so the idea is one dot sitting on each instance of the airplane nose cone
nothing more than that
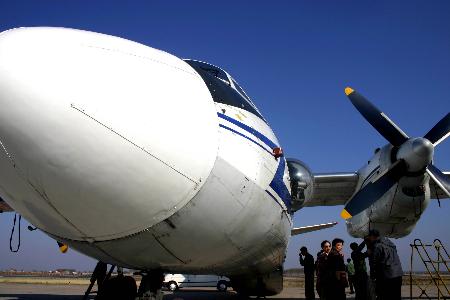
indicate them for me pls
(100, 137)
(423, 147)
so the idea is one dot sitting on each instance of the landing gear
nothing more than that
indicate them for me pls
(124, 287)
(117, 287)
(98, 276)
(151, 285)
(260, 288)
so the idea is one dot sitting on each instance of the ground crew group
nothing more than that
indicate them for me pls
(334, 276)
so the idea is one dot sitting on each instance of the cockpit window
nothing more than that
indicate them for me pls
(220, 88)
(210, 69)
(239, 89)
(217, 73)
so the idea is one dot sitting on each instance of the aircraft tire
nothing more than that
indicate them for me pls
(222, 286)
(172, 285)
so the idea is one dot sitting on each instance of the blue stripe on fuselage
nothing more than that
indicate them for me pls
(247, 128)
(278, 185)
(244, 136)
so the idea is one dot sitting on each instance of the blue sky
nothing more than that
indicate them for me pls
(294, 59)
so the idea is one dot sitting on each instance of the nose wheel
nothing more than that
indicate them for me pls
(151, 285)
(117, 287)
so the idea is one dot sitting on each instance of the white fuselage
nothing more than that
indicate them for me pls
(119, 150)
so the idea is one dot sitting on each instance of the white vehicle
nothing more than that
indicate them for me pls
(176, 281)
(150, 162)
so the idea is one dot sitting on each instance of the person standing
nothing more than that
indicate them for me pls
(307, 261)
(336, 267)
(350, 269)
(323, 277)
(360, 279)
(387, 268)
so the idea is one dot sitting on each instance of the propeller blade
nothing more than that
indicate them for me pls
(440, 131)
(439, 178)
(373, 191)
(388, 129)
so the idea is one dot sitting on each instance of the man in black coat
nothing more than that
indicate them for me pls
(323, 276)
(360, 277)
(387, 269)
(336, 267)
(307, 261)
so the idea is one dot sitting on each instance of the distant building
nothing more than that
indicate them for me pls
(66, 271)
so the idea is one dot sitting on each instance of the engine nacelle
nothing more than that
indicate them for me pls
(302, 183)
(396, 212)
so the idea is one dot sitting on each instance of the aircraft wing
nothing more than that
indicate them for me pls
(332, 189)
(305, 229)
(4, 207)
(435, 191)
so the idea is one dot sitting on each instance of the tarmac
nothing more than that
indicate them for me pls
(20, 291)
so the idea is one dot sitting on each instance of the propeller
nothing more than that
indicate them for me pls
(381, 122)
(440, 131)
(413, 155)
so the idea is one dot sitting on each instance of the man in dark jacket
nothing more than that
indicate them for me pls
(360, 277)
(323, 276)
(336, 268)
(307, 261)
(387, 269)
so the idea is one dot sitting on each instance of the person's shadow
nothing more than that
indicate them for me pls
(178, 295)
(11, 296)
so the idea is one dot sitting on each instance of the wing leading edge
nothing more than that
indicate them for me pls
(332, 189)
(337, 188)
(306, 229)
(435, 191)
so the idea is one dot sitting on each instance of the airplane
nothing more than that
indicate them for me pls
(143, 160)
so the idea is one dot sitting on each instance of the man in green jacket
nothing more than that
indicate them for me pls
(350, 268)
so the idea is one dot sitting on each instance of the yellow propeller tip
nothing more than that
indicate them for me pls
(345, 214)
(349, 90)
(63, 248)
